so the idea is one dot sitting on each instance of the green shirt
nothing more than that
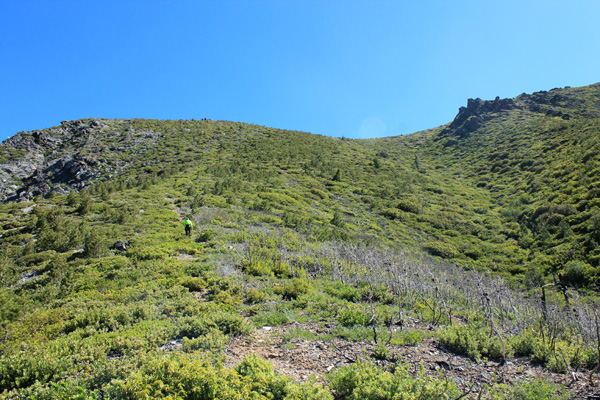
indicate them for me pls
(187, 222)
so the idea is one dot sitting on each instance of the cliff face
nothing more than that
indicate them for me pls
(563, 103)
(67, 157)
(471, 117)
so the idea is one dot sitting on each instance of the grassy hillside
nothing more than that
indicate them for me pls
(355, 238)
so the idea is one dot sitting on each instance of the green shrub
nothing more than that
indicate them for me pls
(261, 205)
(194, 284)
(393, 213)
(101, 316)
(113, 263)
(22, 368)
(271, 318)
(303, 334)
(265, 381)
(320, 193)
(354, 316)
(206, 235)
(381, 352)
(408, 206)
(295, 219)
(225, 298)
(147, 253)
(122, 214)
(94, 244)
(474, 341)
(37, 258)
(337, 219)
(58, 234)
(12, 307)
(577, 273)
(356, 333)
(257, 267)
(379, 293)
(366, 381)
(296, 287)
(281, 269)
(229, 323)
(180, 376)
(441, 249)
(185, 248)
(213, 341)
(310, 390)
(558, 355)
(256, 296)
(408, 338)
(194, 326)
(70, 388)
(533, 390)
(187, 376)
(343, 291)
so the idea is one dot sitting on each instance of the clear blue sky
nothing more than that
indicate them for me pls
(357, 69)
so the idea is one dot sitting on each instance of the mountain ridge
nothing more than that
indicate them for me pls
(40, 162)
(78, 153)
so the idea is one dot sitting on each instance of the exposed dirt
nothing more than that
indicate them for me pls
(300, 359)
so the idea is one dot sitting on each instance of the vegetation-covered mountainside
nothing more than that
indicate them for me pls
(354, 237)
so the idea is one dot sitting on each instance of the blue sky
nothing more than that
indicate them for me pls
(357, 69)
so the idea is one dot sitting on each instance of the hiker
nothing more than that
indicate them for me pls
(188, 225)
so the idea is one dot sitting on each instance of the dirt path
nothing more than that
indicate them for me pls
(300, 359)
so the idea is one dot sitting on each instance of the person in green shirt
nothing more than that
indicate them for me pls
(188, 225)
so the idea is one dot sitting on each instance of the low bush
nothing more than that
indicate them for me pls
(179, 376)
(206, 235)
(271, 318)
(533, 390)
(254, 296)
(296, 287)
(264, 380)
(113, 263)
(303, 334)
(474, 341)
(343, 291)
(229, 323)
(408, 206)
(394, 213)
(357, 333)
(213, 341)
(147, 253)
(364, 380)
(194, 284)
(408, 338)
(381, 352)
(352, 316)
(379, 293)
(558, 354)
(441, 249)
(24, 367)
(256, 266)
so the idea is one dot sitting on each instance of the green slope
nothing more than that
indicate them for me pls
(291, 225)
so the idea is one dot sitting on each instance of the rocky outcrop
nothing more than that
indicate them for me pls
(69, 156)
(471, 117)
(553, 103)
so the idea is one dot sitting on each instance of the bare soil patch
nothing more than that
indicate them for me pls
(300, 359)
